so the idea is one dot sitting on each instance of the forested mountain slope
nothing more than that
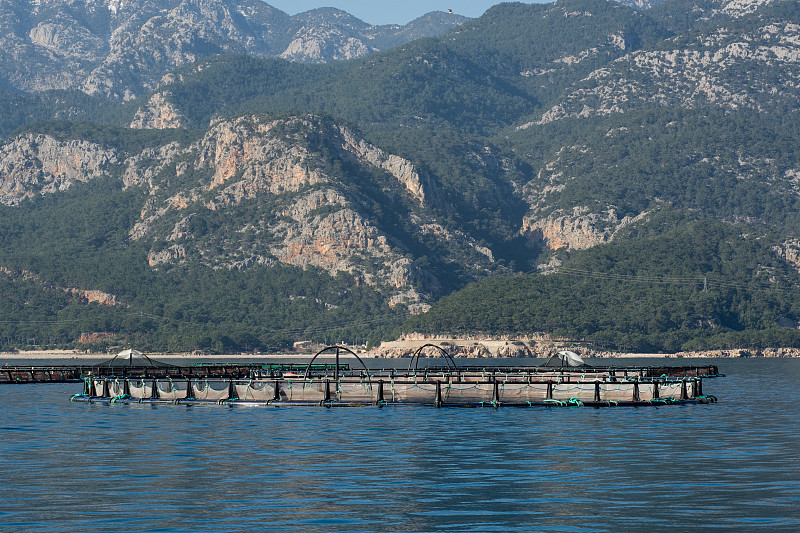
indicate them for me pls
(677, 282)
(627, 175)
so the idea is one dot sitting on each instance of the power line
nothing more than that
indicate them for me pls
(39, 322)
(622, 277)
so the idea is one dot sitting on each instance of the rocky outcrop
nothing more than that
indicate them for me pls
(402, 169)
(731, 8)
(329, 241)
(739, 8)
(68, 40)
(328, 34)
(542, 347)
(175, 254)
(266, 163)
(789, 251)
(716, 69)
(639, 4)
(484, 349)
(142, 168)
(95, 296)
(577, 231)
(581, 227)
(740, 352)
(480, 346)
(88, 295)
(34, 165)
(307, 220)
(159, 113)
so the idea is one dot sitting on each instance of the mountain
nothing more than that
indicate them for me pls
(624, 175)
(705, 120)
(678, 283)
(750, 62)
(295, 205)
(257, 191)
(480, 78)
(122, 48)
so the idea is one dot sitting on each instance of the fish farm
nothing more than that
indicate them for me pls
(564, 381)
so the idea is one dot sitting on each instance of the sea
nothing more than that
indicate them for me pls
(732, 465)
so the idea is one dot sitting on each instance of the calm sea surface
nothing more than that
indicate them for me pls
(105, 468)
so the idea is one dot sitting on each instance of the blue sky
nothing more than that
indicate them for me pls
(392, 12)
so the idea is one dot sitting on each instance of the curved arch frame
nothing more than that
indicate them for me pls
(336, 370)
(447, 357)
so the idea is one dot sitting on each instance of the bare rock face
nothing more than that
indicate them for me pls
(329, 241)
(266, 162)
(639, 4)
(95, 296)
(174, 254)
(732, 8)
(159, 114)
(143, 168)
(738, 8)
(402, 169)
(34, 165)
(790, 252)
(324, 34)
(578, 231)
(67, 40)
(321, 44)
(514, 350)
(581, 227)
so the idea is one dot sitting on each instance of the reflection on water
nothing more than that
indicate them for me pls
(81, 467)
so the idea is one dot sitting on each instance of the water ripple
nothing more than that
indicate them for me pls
(731, 465)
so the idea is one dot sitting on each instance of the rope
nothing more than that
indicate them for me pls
(121, 397)
(548, 401)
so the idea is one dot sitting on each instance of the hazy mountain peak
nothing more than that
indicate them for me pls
(121, 48)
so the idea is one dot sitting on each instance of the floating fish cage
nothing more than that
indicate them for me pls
(39, 374)
(339, 386)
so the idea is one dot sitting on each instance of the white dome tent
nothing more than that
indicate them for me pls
(566, 359)
(132, 358)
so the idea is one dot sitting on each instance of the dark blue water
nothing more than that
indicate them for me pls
(731, 465)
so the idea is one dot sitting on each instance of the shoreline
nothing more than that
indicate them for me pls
(76, 357)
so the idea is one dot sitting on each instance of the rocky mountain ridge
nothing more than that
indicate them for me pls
(725, 7)
(693, 70)
(121, 48)
(746, 61)
(754, 66)
(252, 192)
